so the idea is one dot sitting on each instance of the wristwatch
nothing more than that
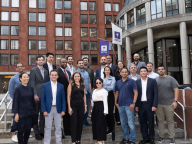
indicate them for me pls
(134, 102)
(85, 105)
(176, 101)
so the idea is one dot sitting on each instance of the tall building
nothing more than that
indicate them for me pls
(63, 27)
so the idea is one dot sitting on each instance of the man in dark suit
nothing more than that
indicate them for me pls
(39, 76)
(146, 105)
(49, 64)
(110, 64)
(64, 77)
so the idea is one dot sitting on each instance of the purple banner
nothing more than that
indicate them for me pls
(104, 47)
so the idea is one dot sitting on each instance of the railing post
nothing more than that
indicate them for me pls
(5, 124)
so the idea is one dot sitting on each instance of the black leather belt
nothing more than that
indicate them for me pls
(144, 102)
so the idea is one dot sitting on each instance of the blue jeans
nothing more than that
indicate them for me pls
(88, 105)
(127, 116)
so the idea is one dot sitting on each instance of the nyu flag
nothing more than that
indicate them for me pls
(117, 34)
(104, 47)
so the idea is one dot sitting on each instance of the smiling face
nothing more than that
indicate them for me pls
(70, 60)
(149, 67)
(124, 73)
(107, 71)
(143, 72)
(20, 68)
(53, 76)
(85, 62)
(120, 65)
(161, 71)
(103, 61)
(50, 59)
(63, 63)
(77, 77)
(40, 61)
(136, 57)
(109, 59)
(99, 83)
(24, 79)
(133, 69)
(80, 65)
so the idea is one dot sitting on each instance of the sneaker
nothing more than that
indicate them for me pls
(160, 140)
(130, 142)
(14, 138)
(172, 141)
(124, 141)
(30, 136)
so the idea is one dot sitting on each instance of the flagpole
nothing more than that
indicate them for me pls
(116, 25)
(103, 39)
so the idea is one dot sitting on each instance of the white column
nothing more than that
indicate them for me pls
(185, 54)
(181, 6)
(135, 16)
(150, 47)
(119, 52)
(125, 20)
(148, 11)
(164, 8)
(128, 50)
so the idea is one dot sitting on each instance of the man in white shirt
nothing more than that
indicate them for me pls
(150, 72)
(70, 67)
(110, 64)
(133, 72)
(49, 64)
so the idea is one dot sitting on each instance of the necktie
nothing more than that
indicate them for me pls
(66, 75)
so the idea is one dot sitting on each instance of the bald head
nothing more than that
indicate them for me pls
(103, 61)
(136, 57)
(63, 63)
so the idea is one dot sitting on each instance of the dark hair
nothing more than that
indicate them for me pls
(54, 70)
(86, 58)
(111, 72)
(161, 66)
(19, 63)
(81, 81)
(143, 68)
(124, 68)
(98, 78)
(49, 54)
(150, 63)
(69, 56)
(79, 60)
(109, 55)
(20, 76)
(117, 68)
(62, 59)
(39, 56)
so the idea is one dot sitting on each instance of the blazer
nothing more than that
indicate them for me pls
(152, 93)
(138, 76)
(68, 69)
(47, 97)
(113, 67)
(36, 80)
(45, 66)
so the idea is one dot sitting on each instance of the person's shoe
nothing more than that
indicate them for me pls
(63, 137)
(152, 142)
(38, 137)
(87, 124)
(78, 142)
(113, 136)
(130, 142)
(118, 123)
(160, 140)
(30, 136)
(142, 142)
(172, 141)
(109, 132)
(14, 138)
(89, 115)
(124, 141)
(41, 134)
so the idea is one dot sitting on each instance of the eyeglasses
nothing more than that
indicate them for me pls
(19, 66)
(98, 83)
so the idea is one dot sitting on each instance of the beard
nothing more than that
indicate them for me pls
(136, 59)
(161, 74)
(103, 63)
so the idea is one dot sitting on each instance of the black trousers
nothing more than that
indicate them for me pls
(66, 123)
(23, 137)
(39, 128)
(77, 105)
(110, 117)
(117, 118)
(98, 121)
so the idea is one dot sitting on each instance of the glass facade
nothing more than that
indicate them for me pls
(58, 45)
(3, 59)
(92, 19)
(4, 44)
(84, 45)
(156, 9)
(141, 14)
(188, 6)
(83, 19)
(14, 59)
(158, 53)
(172, 7)
(130, 19)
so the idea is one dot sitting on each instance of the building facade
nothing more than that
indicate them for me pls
(161, 32)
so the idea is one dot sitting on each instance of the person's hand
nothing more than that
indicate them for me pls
(174, 105)
(105, 114)
(154, 108)
(62, 113)
(137, 109)
(117, 106)
(132, 106)
(16, 118)
(70, 111)
(36, 98)
(46, 114)
(85, 109)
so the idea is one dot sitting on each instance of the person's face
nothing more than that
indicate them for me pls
(133, 69)
(136, 57)
(161, 71)
(109, 59)
(99, 83)
(120, 65)
(63, 63)
(40, 61)
(77, 77)
(107, 71)
(85, 62)
(20, 68)
(53, 76)
(149, 67)
(70, 60)
(80, 65)
(24, 79)
(124, 73)
(50, 58)
(143, 73)
(103, 61)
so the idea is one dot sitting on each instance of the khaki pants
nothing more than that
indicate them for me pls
(165, 112)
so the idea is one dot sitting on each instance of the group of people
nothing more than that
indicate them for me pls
(66, 93)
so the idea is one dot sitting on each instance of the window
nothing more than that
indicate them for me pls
(67, 5)
(68, 55)
(158, 54)
(4, 16)
(14, 3)
(108, 19)
(92, 19)
(107, 6)
(42, 17)
(4, 59)
(84, 45)
(32, 59)
(93, 45)
(92, 6)
(68, 45)
(42, 31)
(58, 18)
(67, 18)
(93, 32)
(42, 45)
(32, 30)
(83, 5)
(188, 5)
(108, 32)
(32, 17)
(58, 58)
(68, 32)
(58, 31)
(114, 19)
(32, 44)
(122, 22)
(14, 16)
(5, 3)
(4, 44)
(58, 45)
(14, 30)
(140, 14)
(84, 32)
(42, 4)
(58, 4)
(82, 56)
(14, 59)
(84, 19)
(32, 4)
(116, 7)
(130, 19)
(156, 9)
(4, 30)
(93, 60)
(14, 44)
(172, 7)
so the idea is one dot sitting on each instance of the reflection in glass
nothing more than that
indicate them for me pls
(158, 54)
(68, 45)
(58, 57)
(156, 9)
(108, 19)
(32, 44)
(3, 59)
(84, 32)
(14, 59)
(93, 32)
(130, 19)
(59, 45)
(141, 14)
(84, 45)
(93, 60)
(14, 30)
(188, 5)
(172, 7)
(93, 45)
(92, 19)
(84, 19)
(4, 44)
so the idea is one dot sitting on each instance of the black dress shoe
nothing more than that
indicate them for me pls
(118, 123)
(152, 142)
(41, 134)
(113, 136)
(78, 142)
(38, 137)
(88, 124)
(109, 132)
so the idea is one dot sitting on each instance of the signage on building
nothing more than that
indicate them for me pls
(117, 34)
(104, 47)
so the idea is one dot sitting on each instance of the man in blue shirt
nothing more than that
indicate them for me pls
(87, 83)
(126, 91)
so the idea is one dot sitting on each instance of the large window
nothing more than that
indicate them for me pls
(93, 32)
(58, 31)
(67, 18)
(83, 56)
(58, 4)
(68, 32)
(58, 57)
(4, 44)
(42, 17)
(42, 45)
(188, 5)
(4, 16)
(108, 32)
(93, 45)
(122, 22)
(58, 18)
(67, 5)
(158, 54)
(130, 19)
(42, 31)
(14, 30)
(32, 4)
(32, 59)
(92, 6)
(141, 14)
(3, 59)
(172, 7)
(84, 45)
(14, 3)
(156, 9)
(107, 6)
(116, 7)
(32, 17)
(14, 44)
(92, 19)
(14, 16)
(68, 45)
(4, 30)
(93, 60)
(83, 5)
(58, 45)
(32, 30)
(108, 19)
(114, 18)
(84, 19)
(42, 4)
(32, 44)
(5, 3)
(14, 59)
(84, 32)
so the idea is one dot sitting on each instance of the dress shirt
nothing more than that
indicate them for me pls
(101, 95)
(54, 92)
(110, 65)
(50, 67)
(71, 69)
(134, 77)
(102, 74)
(64, 73)
(144, 89)
(110, 81)
(153, 75)
(42, 71)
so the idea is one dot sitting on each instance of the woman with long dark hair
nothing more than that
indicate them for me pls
(76, 98)
(109, 85)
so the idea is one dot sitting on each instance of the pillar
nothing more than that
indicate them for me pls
(125, 20)
(148, 11)
(181, 6)
(135, 16)
(164, 8)
(185, 54)
(128, 50)
(119, 52)
(150, 47)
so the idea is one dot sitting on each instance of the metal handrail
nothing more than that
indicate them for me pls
(4, 98)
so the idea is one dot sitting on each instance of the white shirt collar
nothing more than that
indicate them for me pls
(52, 83)
(144, 80)
(49, 64)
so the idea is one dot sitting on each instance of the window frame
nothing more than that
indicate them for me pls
(35, 3)
(11, 30)
(11, 59)
(156, 10)
(90, 32)
(35, 16)
(140, 19)
(4, 6)
(7, 59)
(29, 57)
(11, 16)
(171, 8)
(61, 4)
(81, 17)
(45, 30)
(14, 6)
(91, 59)
(64, 4)
(104, 6)
(71, 31)
(71, 45)
(106, 32)
(87, 31)
(95, 5)
(45, 16)
(45, 46)
(113, 7)
(35, 30)
(186, 8)
(62, 31)
(8, 15)
(65, 17)
(61, 17)
(96, 46)
(87, 45)
(45, 5)
(35, 45)
(11, 45)
(7, 42)
(90, 18)
(80, 5)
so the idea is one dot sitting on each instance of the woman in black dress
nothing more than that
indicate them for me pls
(24, 109)
(76, 99)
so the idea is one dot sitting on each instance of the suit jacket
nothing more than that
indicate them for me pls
(36, 80)
(47, 97)
(45, 66)
(113, 67)
(68, 69)
(152, 92)
(138, 76)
